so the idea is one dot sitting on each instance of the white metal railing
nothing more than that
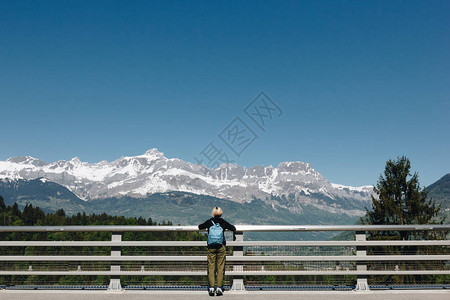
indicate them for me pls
(355, 263)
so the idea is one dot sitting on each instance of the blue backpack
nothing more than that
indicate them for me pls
(215, 235)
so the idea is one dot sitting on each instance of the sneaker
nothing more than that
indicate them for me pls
(211, 292)
(219, 292)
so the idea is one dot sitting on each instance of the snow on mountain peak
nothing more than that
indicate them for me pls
(20, 158)
(295, 166)
(28, 160)
(154, 152)
(359, 189)
(75, 161)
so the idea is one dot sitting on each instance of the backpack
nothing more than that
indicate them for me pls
(215, 235)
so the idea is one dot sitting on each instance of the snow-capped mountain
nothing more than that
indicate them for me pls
(290, 185)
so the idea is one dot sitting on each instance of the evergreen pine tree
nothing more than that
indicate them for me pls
(2, 204)
(60, 212)
(400, 199)
(15, 210)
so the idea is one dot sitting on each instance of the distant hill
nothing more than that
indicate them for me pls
(47, 195)
(440, 192)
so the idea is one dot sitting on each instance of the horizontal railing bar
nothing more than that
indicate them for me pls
(340, 243)
(230, 258)
(203, 243)
(229, 273)
(114, 228)
(103, 243)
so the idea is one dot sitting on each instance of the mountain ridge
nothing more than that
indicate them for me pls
(176, 207)
(440, 192)
(290, 185)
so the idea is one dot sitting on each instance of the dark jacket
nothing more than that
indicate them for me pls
(224, 224)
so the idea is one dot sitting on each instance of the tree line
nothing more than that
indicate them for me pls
(34, 216)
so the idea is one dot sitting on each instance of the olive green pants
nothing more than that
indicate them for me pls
(216, 265)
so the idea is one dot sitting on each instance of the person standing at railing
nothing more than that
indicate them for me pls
(216, 250)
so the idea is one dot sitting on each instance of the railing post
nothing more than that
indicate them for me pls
(114, 282)
(361, 280)
(238, 281)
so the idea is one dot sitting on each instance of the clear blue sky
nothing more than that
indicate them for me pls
(359, 82)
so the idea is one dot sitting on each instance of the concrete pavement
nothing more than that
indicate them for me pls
(253, 295)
